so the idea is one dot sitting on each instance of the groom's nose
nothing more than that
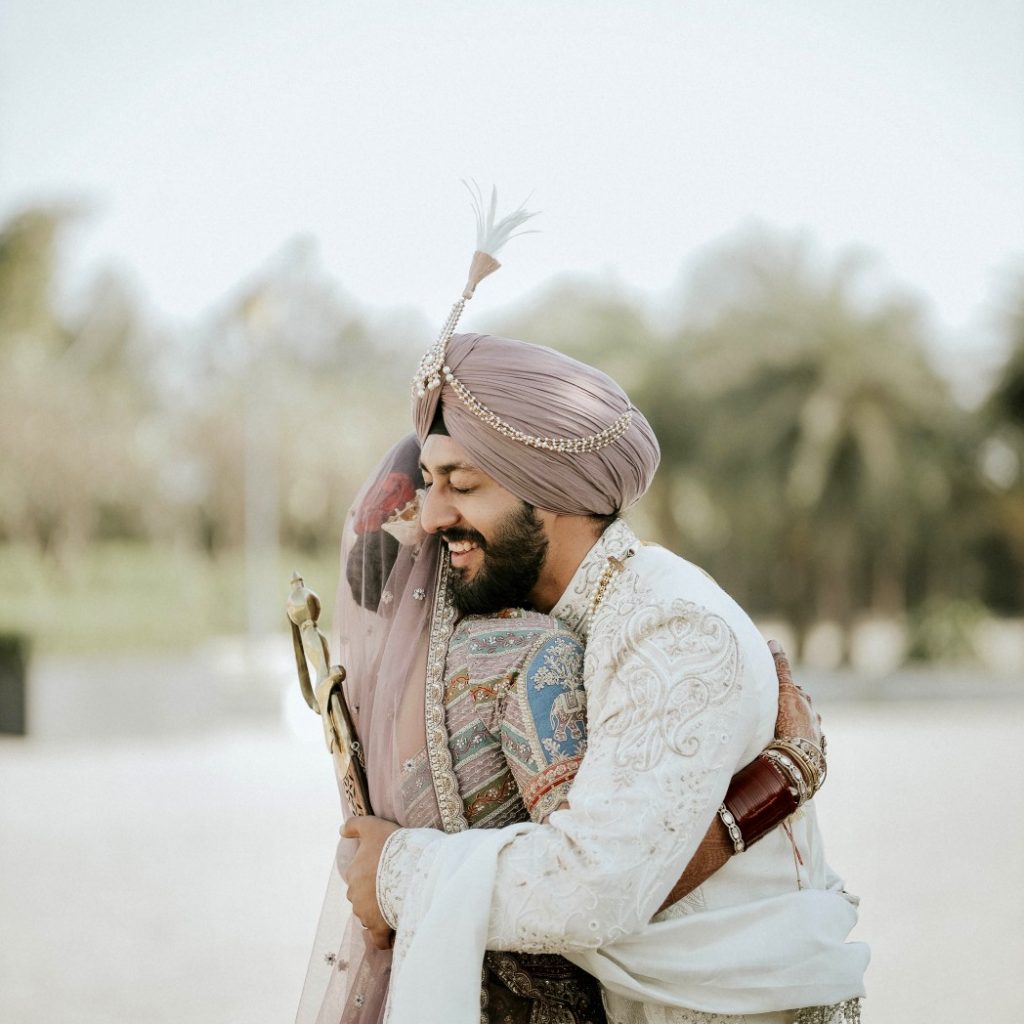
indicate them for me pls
(437, 513)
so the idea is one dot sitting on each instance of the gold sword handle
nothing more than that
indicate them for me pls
(326, 696)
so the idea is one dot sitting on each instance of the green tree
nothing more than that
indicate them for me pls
(330, 396)
(29, 252)
(1002, 463)
(813, 454)
(75, 395)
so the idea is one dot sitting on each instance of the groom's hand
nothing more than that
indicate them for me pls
(361, 876)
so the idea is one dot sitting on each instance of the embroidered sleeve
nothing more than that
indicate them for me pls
(543, 725)
(667, 728)
(397, 868)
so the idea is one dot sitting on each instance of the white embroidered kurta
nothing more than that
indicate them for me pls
(681, 693)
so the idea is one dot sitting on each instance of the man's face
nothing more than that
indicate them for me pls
(496, 541)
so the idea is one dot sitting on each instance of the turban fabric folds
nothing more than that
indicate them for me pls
(543, 393)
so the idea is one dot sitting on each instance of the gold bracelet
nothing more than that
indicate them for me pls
(815, 755)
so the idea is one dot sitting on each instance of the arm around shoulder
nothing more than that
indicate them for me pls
(666, 727)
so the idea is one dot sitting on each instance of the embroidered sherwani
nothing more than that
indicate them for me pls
(681, 693)
(515, 724)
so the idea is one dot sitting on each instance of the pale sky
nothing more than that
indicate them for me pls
(207, 133)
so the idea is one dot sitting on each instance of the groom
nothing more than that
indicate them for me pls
(529, 458)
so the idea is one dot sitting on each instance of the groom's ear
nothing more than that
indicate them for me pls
(549, 519)
(562, 528)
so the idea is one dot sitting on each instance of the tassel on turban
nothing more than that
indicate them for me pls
(545, 394)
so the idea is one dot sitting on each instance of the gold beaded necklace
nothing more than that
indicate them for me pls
(612, 566)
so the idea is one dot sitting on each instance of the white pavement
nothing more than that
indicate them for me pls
(151, 881)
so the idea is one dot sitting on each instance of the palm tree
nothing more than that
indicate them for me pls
(820, 433)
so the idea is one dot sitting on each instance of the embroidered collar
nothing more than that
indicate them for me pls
(574, 606)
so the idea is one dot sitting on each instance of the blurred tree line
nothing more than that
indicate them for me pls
(812, 459)
(116, 428)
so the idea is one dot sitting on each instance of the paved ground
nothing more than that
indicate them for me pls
(178, 878)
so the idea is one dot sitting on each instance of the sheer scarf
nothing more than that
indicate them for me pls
(389, 582)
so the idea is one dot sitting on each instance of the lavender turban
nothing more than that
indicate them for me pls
(546, 394)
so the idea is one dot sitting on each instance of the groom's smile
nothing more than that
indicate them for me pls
(496, 542)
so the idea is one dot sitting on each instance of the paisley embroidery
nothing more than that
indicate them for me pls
(661, 677)
(667, 713)
(681, 662)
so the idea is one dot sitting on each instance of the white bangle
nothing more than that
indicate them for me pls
(734, 830)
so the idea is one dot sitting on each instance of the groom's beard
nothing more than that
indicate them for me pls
(510, 567)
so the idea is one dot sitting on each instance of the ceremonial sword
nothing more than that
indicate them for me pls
(327, 697)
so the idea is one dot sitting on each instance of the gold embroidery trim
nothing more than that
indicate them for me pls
(442, 771)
